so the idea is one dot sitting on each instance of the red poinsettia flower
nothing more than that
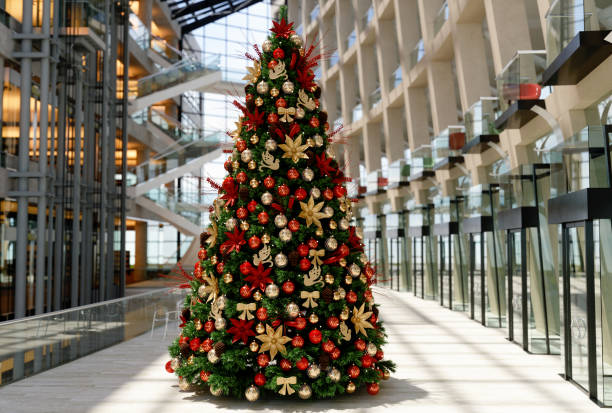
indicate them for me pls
(258, 277)
(235, 240)
(241, 330)
(231, 193)
(324, 165)
(282, 29)
(253, 120)
(354, 240)
(306, 77)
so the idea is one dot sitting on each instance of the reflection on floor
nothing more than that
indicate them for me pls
(446, 362)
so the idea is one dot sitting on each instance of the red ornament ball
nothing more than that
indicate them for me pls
(261, 313)
(220, 267)
(283, 190)
(288, 287)
(272, 118)
(360, 344)
(366, 361)
(328, 194)
(297, 341)
(278, 53)
(302, 364)
(301, 194)
(241, 145)
(228, 165)
(241, 177)
(314, 122)
(379, 355)
(209, 326)
(367, 295)
(335, 354)
(272, 64)
(280, 103)
(259, 379)
(373, 319)
(299, 323)
(194, 344)
(169, 368)
(263, 218)
(304, 264)
(185, 340)
(269, 182)
(353, 371)
(252, 206)
(294, 225)
(263, 360)
(339, 191)
(254, 242)
(303, 250)
(202, 254)
(293, 173)
(333, 322)
(204, 376)
(245, 291)
(207, 345)
(249, 97)
(351, 297)
(328, 346)
(343, 250)
(315, 336)
(245, 267)
(373, 388)
(313, 243)
(242, 213)
(285, 364)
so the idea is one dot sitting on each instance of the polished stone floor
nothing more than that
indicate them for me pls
(446, 363)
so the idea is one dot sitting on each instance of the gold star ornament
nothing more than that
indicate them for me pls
(294, 149)
(311, 212)
(273, 341)
(210, 288)
(212, 234)
(360, 320)
(253, 73)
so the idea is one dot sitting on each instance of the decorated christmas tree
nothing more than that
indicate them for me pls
(280, 301)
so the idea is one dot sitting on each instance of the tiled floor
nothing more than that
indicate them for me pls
(447, 363)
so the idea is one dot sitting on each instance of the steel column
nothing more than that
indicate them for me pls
(76, 191)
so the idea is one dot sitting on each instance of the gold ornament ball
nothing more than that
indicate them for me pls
(355, 270)
(342, 292)
(300, 113)
(251, 393)
(191, 360)
(331, 244)
(309, 141)
(228, 278)
(386, 375)
(220, 324)
(334, 375)
(333, 224)
(318, 140)
(363, 278)
(342, 207)
(257, 296)
(265, 238)
(235, 164)
(336, 296)
(212, 356)
(175, 363)
(202, 291)
(342, 262)
(344, 315)
(350, 387)
(254, 347)
(280, 260)
(260, 329)
(344, 224)
(313, 318)
(329, 278)
(293, 310)
(285, 235)
(259, 101)
(313, 371)
(329, 211)
(254, 139)
(348, 280)
(296, 40)
(184, 385)
(280, 221)
(254, 183)
(262, 87)
(288, 87)
(315, 193)
(213, 260)
(244, 225)
(319, 232)
(371, 349)
(198, 324)
(221, 302)
(230, 224)
(246, 155)
(305, 392)
(252, 164)
(266, 198)
(271, 145)
(308, 174)
(266, 46)
(272, 291)
(216, 391)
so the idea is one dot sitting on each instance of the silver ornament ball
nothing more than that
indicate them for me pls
(331, 244)
(313, 371)
(246, 155)
(334, 375)
(280, 221)
(230, 224)
(315, 193)
(371, 349)
(288, 87)
(263, 87)
(184, 384)
(344, 224)
(280, 260)
(175, 363)
(251, 393)
(296, 40)
(272, 291)
(221, 300)
(271, 145)
(300, 113)
(355, 270)
(293, 310)
(266, 198)
(216, 391)
(220, 324)
(305, 392)
(329, 211)
(213, 357)
(285, 235)
(266, 46)
(308, 174)
(318, 140)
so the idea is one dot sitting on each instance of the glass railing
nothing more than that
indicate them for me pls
(375, 98)
(448, 143)
(162, 47)
(566, 18)
(9, 21)
(333, 59)
(367, 18)
(399, 171)
(376, 181)
(314, 13)
(357, 112)
(417, 53)
(180, 72)
(421, 160)
(351, 39)
(46, 341)
(520, 78)
(139, 32)
(396, 78)
(86, 14)
(480, 118)
(441, 18)
(189, 203)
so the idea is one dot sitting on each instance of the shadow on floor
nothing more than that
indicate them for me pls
(392, 391)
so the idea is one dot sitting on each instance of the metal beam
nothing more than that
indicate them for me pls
(194, 7)
(203, 22)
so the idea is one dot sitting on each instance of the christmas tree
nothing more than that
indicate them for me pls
(280, 301)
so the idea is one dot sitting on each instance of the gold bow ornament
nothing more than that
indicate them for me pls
(317, 255)
(286, 113)
(246, 310)
(285, 382)
(310, 297)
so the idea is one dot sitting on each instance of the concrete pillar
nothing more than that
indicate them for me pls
(427, 13)
(371, 141)
(407, 29)
(441, 95)
(386, 52)
(393, 128)
(471, 63)
(415, 102)
(368, 74)
(140, 266)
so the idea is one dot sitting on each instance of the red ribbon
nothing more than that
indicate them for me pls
(337, 256)
(278, 207)
(291, 201)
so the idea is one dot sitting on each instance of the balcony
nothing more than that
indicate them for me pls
(396, 78)
(519, 89)
(447, 147)
(417, 53)
(575, 34)
(441, 18)
(399, 172)
(139, 32)
(479, 123)
(421, 164)
(376, 182)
